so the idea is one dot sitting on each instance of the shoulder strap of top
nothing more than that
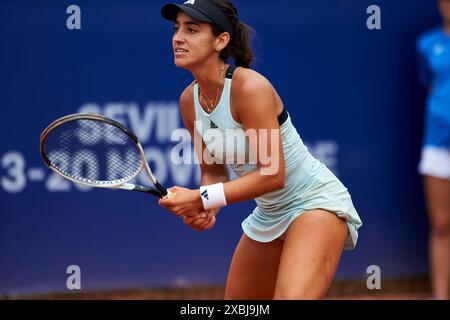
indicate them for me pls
(282, 117)
(230, 71)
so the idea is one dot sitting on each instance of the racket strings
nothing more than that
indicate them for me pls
(93, 151)
(126, 166)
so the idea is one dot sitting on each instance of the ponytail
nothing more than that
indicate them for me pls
(239, 47)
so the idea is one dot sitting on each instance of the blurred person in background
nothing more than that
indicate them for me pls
(434, 62)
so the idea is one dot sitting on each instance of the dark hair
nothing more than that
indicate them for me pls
(239, 47)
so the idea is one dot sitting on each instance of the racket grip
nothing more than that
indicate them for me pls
(164, 191)
(167, 195)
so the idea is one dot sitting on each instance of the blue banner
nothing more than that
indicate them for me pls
(352, 93)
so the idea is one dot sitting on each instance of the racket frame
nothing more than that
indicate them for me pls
(118, 184)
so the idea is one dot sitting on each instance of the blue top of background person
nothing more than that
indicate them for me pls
(434, 69)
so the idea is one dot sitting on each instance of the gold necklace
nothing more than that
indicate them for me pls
(211, 103)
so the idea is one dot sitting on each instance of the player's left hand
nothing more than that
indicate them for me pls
(182, 201)
(202, 221)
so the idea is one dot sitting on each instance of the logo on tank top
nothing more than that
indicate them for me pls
(213, 125)
(190, 2)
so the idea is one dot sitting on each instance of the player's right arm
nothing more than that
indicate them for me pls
(210, 173)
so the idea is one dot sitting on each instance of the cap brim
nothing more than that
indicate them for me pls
(170, 12)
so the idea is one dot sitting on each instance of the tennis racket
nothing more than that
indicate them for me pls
(96, 151)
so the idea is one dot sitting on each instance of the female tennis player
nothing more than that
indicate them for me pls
(304, 218)
(434, 57)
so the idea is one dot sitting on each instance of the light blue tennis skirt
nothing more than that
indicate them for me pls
(309, 185)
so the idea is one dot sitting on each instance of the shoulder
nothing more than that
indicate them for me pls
(247, 81)
(428, 39)
(186, 97)
(254, 95)
(186, 102)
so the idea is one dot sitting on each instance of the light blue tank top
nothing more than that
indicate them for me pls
(218, 126)
(308, 184)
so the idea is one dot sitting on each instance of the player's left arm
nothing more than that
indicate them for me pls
(256, 106)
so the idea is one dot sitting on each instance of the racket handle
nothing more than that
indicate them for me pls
(164, 191)
(167, 195)
(160, 193)
(143, 189)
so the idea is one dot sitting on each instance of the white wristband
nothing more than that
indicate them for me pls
(213, 196)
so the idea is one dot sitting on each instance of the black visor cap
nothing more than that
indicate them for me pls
(201, 10)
